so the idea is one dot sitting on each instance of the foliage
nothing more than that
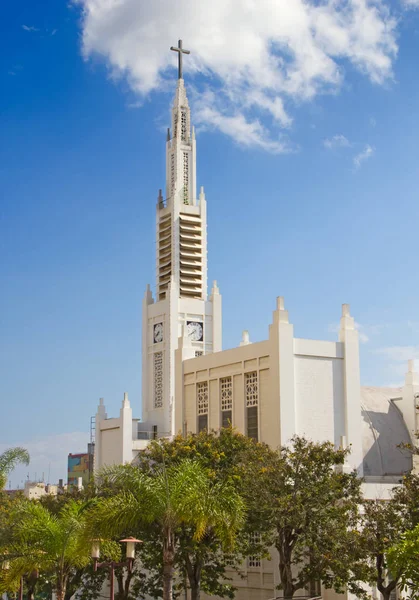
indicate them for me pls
(229, 457)
(313, 509)
(181, 494)
(403, 560)
(383, 526)
(9, 459)
(40, 540)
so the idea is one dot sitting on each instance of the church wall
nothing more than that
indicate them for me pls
(229, 363)
(111, 446)
(238, 403)
(269, 429)
(319, 392)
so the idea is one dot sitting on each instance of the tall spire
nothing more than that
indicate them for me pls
(181, 248)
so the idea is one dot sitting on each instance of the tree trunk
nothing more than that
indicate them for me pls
(285, 570)
(168, 564)
(195, 591)
(385, 590)
(194, 576)
(124, 583)
(60, 591)
(61, 587)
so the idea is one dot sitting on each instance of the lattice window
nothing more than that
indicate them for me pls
(226, 392)
(185, 178)
(158, 379)
(175, 124)
(251, 388)
(199, 353)
(202, 397)
(172, 173)
(254, 561)
(183, 125)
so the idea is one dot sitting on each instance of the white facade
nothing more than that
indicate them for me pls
(270, 390)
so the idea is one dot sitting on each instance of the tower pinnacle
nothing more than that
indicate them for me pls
(180, 52)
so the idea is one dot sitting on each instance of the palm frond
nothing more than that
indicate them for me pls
(9, 459)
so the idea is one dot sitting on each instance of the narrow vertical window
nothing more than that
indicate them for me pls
(255, 560)
(202, 401)
(185, 178)
(172, 173)
(226, 395)
(183, 125)
(158, 379)
(252, 401)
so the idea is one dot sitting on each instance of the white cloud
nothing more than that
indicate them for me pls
(261, 56)
(398, 357)
(411, 3)
(400, 353)
(48, 455)
(29, 28)
(364, 155)
(337, 141)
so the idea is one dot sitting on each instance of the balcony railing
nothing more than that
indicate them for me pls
(152, 435)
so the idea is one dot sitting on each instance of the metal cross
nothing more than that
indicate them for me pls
(180, 51)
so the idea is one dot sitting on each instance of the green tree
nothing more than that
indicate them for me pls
(169, 497)
(313, 509)
(84, 580)
(229, 457)
(384, 524)
(9, 459)
(403, 560)
(41, 541)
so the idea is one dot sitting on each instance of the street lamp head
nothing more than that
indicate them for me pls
(130, 542)
(96, 549)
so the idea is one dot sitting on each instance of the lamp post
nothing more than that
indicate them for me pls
(111, 564)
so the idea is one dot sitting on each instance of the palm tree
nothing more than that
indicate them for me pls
(9, 459)
(52, 543)
(183, 494)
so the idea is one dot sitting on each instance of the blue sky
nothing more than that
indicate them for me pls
(308, 129)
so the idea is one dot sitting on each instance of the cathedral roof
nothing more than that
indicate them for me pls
(383, 430)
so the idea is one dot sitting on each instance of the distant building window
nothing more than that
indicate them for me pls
(254, 561)
(252, 422)
(183, 125)
(252, 401)
(226, 418)
(314, 589)
(158, 379)
(202, 401)
(226, 393)
(251, 388)
(202, 423)
(185, 178)
(202, 397)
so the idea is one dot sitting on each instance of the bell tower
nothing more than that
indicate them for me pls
(180, 306)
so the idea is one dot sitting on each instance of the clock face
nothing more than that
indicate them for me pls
(158, 333)
(195, 331)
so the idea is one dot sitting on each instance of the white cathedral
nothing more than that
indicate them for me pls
(268, 390)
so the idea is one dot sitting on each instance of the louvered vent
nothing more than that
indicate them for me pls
(190, 256)
(165, 255)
